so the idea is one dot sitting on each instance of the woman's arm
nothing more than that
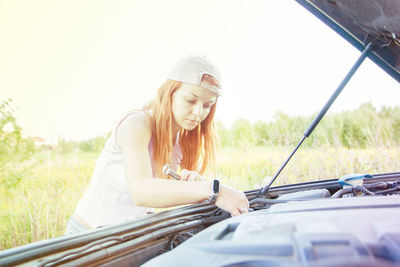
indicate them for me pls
(133, 136)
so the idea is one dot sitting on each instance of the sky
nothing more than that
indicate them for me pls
(74, 68)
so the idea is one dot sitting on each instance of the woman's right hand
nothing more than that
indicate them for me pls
(187, 175)
(232, 200)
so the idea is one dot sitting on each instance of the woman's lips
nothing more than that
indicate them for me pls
(194, 122)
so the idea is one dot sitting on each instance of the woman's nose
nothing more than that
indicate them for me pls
(198, 110)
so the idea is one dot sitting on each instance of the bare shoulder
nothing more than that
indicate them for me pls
(134, 129)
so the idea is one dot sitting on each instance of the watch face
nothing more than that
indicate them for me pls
(216, 186)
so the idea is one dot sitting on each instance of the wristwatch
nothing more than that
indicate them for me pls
(214, 191)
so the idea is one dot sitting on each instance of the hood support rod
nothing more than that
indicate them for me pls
(373, 44)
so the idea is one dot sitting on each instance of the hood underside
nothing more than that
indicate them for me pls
(355, 20)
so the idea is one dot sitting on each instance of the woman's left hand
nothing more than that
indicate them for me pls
(187, 175)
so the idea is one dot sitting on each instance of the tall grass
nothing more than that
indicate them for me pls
(250, 168)
(363, 127)
(39, 206)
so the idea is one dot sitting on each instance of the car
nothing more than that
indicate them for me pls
(343, 221)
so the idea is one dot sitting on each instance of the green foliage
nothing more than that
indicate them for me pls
(286, 130)
(262, 133)
(14, 149)
(225, 136)
(250, 168)
(242, 133)
(359, 128)
(65, 146)
(39, 206)
(95, 144)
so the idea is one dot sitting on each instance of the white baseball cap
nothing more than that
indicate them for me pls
(191, 69)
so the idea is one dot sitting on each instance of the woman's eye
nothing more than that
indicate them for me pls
(207, 106)
(191, 101)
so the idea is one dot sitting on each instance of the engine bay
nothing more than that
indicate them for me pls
(356, 226)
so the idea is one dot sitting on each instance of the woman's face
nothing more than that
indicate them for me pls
(190, 105)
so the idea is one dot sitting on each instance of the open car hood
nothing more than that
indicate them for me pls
(355, 20)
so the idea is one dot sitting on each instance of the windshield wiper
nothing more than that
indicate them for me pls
(373, 44)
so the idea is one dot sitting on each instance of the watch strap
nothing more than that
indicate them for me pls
(214, 191)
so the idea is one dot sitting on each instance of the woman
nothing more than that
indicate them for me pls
(176, 127)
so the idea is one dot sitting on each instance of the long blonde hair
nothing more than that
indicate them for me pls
(198, 145)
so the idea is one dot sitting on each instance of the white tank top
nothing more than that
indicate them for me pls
(107, 200)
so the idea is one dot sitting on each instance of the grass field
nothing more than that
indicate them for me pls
(38, 207)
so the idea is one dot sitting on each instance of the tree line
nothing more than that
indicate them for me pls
(359, 128)
(362, 127)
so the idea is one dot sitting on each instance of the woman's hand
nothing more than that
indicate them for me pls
(233, 201)
(187, 175)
